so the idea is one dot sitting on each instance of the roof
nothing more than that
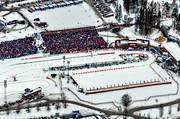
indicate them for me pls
(174, 35)
(173, 49)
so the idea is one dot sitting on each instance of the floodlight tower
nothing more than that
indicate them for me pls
(5, 91)
(68, 78)
(107, 38)
(64, 58)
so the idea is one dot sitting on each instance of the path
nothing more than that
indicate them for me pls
(64, 101)
(25, 18)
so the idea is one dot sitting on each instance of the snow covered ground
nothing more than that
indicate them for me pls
(29, 73)
(74, 16)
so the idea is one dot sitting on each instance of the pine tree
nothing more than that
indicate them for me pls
(161, 111)
(126, 5)
(57, 105)
(126, 100)
(141, 21)
(159, 17)
(170, 110)
(178, 107)
(48, 107)
(120, 12)
(38, 108)
(146, 26)
(116, 11)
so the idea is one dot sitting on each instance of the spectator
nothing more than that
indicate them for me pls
(17, 48)
(75, 40)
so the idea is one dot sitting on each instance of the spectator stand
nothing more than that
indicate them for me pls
(17, 48)
(72, 40)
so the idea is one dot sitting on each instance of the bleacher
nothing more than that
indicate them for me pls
(17, 48)
(67, 41)
(55, 42)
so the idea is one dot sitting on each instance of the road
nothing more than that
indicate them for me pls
(130, 112)
(65, 101)
(25, 18)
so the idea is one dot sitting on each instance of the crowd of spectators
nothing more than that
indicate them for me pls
(127, 58)
(87, 66)
(58, 42)
(72, 40)
(17, 48)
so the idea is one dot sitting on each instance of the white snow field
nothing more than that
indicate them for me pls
(29, 74)
(65, 18)
(74, 16)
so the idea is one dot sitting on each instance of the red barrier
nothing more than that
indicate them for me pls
(103, 70)
(51, 80)
(32, 58)
(106, 53)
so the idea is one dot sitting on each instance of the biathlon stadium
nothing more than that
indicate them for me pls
(76, 54)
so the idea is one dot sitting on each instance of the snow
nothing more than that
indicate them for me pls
(174, 35)
(168, 22)
(130, 31)
(103, 79)
(33, 71)
(173, 49)
(65, 18)
(29, 73)
(17, 34)
(74, 16)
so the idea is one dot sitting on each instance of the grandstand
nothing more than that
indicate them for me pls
(17, 48)
(66, 41)
(55, 42)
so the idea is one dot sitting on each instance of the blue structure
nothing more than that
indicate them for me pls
(80, 1)
(42, 8)
(36, 8)
(62, 5)
(75, 2)
(1, 5)
(77, 115)
(54, 5)
(2, 24)
(71, 2)
(164, 59)
(68, 4)
(46, 7)
(50, 6)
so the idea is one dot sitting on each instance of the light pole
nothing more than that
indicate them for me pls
(5, 91)
(68, 78)
(107, 38)
(63, 66)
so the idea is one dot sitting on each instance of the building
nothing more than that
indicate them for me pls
(137, 44)
(174, 51)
